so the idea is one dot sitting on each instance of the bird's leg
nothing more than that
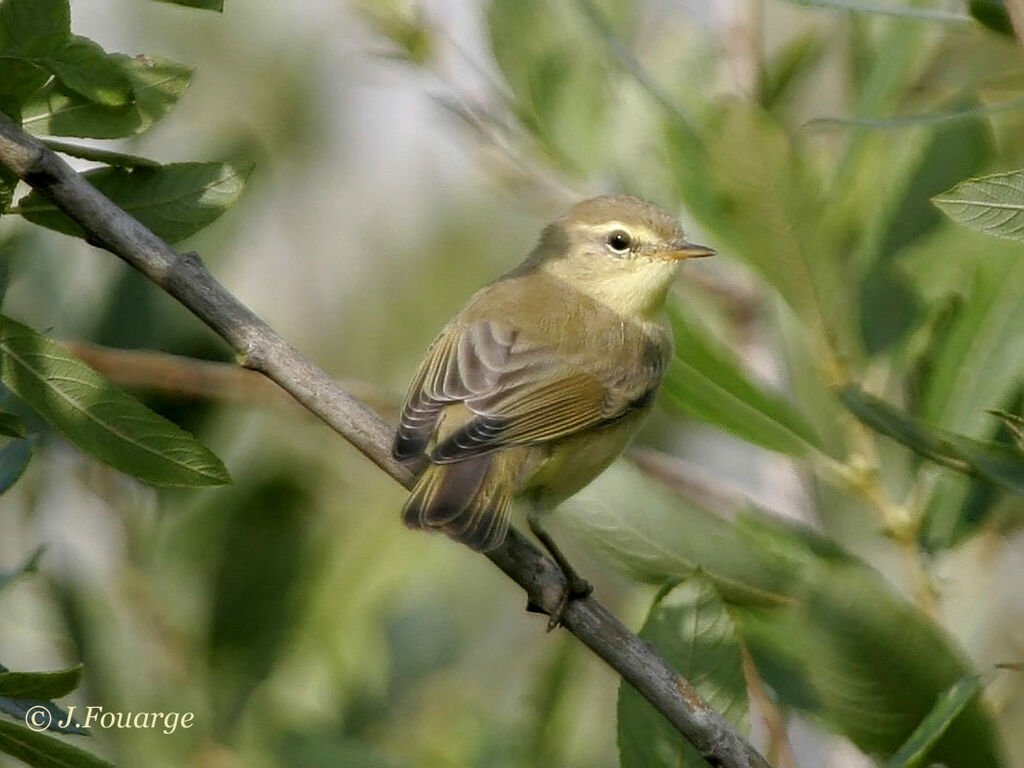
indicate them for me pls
(575, 585)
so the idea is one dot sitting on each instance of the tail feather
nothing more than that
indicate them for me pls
(469, 500)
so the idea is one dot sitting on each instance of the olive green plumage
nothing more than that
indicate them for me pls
(540, 381)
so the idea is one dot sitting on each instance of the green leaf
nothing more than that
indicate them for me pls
(312, 749)
(267, 538)
(691, 627)
(826, 632)
(40, 685)
(705, 382)
(867, 663)
(208, 5)
(14, 457)
(44, 714)
(993, 462)
(766, 211)
(558, 75)
(659, 537)
(30, 29)
(889, 307)
(41, 751)
(949, 705)
(105, 156)
(156, 84)
(990, 204)
(88, 70)
(977, 366)
(789, 67)
(953, 151)
(992, 13)
(1014, 423)
(175, 201)
(98, 418)
(11, 425)
(31, 565)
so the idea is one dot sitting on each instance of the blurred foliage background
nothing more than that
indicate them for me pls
(405, 153)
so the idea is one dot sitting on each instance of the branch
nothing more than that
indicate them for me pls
(185, 278)
(189, 377)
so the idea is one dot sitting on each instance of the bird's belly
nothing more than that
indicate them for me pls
(572, 463)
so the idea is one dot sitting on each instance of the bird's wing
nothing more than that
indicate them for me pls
(517, 391)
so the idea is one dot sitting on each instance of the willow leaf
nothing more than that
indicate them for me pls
(98, 418)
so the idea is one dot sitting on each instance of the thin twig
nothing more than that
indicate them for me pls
(632, 65)
(189, 377)
(898, 12)
(186, 278)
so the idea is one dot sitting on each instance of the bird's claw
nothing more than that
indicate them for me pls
(575, 588)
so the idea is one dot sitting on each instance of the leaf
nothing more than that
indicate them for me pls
(44, 715)
(867, 663)
(993, 462)
(156, 84)
(105, 156)
(14, 457)
(990, 204)
(825, 631)
(30, 565)
(40, 685)
(705, 382)
(889, 306)
(949, 705)
(691, 627)
(85, 68)
(268, 537)
(558, 76)
(765, 211)
(98, 418)
(794, 62)
(29, 29)
(977, 366)
(41, 751)
(175, 201)
(952, 151)
(992, 13)
(11, 425)
(1014, 423)
(659, 537)
(974, 366)
(313, 749)
(208, 5)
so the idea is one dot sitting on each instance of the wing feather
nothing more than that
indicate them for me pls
(518, 393)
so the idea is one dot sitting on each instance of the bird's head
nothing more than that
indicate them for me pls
(622, 251)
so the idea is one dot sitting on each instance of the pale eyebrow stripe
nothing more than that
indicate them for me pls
(639, 231)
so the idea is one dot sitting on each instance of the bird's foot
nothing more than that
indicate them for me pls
(575, 588)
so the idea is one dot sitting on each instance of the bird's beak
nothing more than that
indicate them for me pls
(681, 249)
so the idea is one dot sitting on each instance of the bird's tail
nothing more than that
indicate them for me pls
(469, 500)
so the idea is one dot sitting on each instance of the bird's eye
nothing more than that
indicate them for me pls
(619, 241)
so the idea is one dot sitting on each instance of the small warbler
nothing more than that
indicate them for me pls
(540, 381)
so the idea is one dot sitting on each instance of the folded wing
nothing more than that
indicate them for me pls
(517, 391)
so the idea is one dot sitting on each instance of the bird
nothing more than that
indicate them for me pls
(541, 380)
